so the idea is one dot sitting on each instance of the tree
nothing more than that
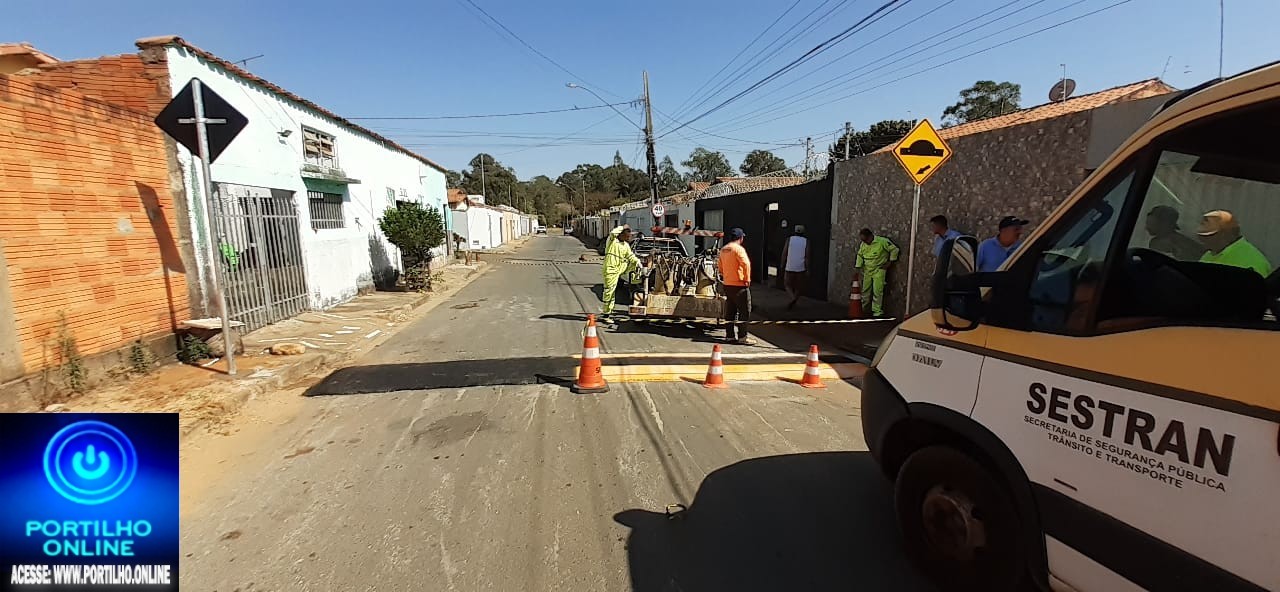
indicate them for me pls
(415, 231)
(452, 179)
(540, 194)
(986, 98)
(669, 179)
(879, 135)
(599, 186)
(706, 165)
(760, 162)
(498, 183)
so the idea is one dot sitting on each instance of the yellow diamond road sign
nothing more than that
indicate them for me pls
(921, 152)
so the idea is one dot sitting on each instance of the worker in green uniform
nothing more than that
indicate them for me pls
(619, 261)
(1220, 233)
(876, 255)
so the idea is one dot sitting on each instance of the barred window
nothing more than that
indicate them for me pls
(326, 210)
(318, 148)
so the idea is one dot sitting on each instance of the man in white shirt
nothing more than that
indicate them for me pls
(795, 258)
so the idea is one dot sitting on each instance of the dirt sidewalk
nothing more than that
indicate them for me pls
(206, 397)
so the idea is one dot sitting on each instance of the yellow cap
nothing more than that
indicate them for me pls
(1216, 221)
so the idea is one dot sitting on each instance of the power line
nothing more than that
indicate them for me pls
(695, 96)
(796, 62)
(436, 117)
(848, 78)
(526, 43)
(966, 56)
(751, 65)
(768, 112)
(904, 25)
(565, 137)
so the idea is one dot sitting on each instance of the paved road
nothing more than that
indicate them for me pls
(457, 469)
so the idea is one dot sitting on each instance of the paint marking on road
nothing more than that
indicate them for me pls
(326, 335)
(309, 344)
(344, 332)
(332, 316)
(351, 328)
(375, 333)
(653, 408)
(704, 355)
(742, 372)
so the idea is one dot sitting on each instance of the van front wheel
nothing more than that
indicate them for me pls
(958, 522)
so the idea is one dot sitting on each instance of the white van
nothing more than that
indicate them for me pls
(1100, 413)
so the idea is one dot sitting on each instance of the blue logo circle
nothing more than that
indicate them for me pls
(90, 462)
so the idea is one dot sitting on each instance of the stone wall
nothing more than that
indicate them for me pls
(1023, 170)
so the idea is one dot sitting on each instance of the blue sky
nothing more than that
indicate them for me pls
(403, 58)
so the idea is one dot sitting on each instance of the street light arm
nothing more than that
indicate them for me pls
(604, 102)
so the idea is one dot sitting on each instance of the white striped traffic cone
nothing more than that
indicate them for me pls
(811, 378)
(855, 300)
(715, 371)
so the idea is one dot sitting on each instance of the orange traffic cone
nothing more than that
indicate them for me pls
(590, 380)
(855, 299)
(715, 372)
(811, 378)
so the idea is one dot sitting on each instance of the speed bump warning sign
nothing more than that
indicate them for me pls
(921, 152)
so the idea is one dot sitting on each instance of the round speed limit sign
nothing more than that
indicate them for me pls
(658, 210)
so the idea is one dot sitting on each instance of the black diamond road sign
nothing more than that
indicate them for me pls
(215, 107)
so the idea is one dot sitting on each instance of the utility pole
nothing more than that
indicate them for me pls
(848, 138)
(584, 196)
(482, 187)
(808, 154)
(648, 140)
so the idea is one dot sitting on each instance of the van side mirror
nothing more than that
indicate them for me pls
(957, 297)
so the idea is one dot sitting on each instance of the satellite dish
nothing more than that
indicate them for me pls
(1062, 90)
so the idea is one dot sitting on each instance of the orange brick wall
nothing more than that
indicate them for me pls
(131, 81)
(87, 220)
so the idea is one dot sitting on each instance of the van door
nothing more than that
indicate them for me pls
(1132, 384)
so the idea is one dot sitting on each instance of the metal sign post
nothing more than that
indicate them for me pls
(920, 153)
(202, 139)
(911, 248)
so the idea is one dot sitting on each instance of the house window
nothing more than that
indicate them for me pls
(326, 210)
(318, 149)
(391, 197)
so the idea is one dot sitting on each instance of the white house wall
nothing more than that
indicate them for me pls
(338, 261)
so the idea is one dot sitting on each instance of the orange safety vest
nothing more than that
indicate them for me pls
(735, 266)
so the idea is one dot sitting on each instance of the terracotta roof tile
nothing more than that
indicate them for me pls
(1128, 92)
(730, 186)
(25, 48)
(166, 40)
(456, 196)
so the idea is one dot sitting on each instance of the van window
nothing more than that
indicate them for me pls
(1069, 269)
(1206, 242)
(1204, 237)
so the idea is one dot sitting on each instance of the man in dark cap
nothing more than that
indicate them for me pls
(993, 251)
(735, 268)
(1162, 225)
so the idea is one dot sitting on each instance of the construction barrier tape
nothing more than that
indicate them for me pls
(539, 262)
(722, 322)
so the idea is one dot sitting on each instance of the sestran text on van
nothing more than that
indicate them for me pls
(1139, 426)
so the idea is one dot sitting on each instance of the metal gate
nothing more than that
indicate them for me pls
(259, 254)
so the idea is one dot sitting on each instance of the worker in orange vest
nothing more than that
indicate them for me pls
(735, 268)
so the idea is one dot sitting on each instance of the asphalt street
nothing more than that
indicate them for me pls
(453, 457)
